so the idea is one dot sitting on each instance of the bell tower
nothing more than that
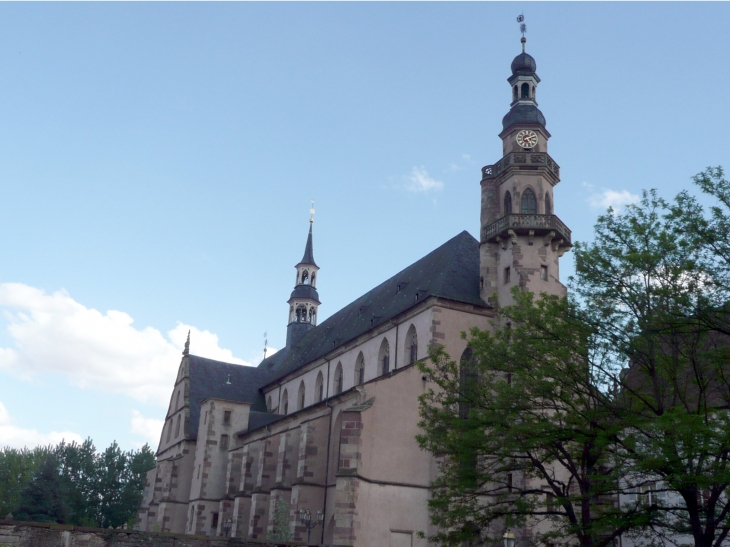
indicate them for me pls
(521, 239)
(304, 300)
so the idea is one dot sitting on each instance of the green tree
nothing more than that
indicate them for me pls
(621, 389)
(42, 500)
(281, 531)
(138, 463)
(78, 466)
(17, 469)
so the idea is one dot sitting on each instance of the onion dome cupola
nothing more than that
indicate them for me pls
(524, 81)
(304, 300)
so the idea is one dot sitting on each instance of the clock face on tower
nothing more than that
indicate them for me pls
(527, 138)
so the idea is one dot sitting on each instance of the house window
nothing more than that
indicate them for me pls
(529, 203)
(226, 417)
(543, 273)
(506, 275)
(224, 442)
(214, 520)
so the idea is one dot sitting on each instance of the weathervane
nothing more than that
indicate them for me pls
(266, 342)
(523, 29)
(311, 213)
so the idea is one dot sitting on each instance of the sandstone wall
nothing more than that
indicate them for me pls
(28, 534)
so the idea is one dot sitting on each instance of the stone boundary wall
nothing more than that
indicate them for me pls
(33, 534)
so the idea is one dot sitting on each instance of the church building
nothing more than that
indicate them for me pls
(326, 426)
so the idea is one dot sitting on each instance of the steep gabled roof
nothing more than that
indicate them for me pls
(209, 379)
(451, 271)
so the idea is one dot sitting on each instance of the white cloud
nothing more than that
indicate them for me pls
(16, 437)
(603, 198)
(419, 181)
(101, 351)
(147, 428)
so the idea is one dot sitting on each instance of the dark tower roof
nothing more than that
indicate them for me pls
(524, 64)
(523, 113)
(308, 257)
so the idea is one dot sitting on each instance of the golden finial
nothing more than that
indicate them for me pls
(311, 212)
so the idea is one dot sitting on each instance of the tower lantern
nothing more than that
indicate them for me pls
(304, 300)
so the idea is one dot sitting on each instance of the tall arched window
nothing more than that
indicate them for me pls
(177, 402)
(360, 370)
(285, 403)
(305, 277)
(548, 205)
(338, 379)
(514, 93)
(384, 357)
(177, 426)
(314, 280)
(525, 91)
(169, 430)
(300, 397)
(412, 345)
(529, 202)
(268, 404)
(467, 374)
(507, 203)
(319, 387)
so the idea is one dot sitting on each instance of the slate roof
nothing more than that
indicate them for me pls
(308, 257)
(523, 113)
(451, 271)
(208, 379)
(524, 64)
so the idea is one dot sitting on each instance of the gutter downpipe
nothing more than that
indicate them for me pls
(327, 460)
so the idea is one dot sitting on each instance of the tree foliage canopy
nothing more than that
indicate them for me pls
(620, 391)
(72, 483)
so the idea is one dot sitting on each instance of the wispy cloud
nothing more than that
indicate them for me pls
(95, 350)
(147, 428)
(17, 437)
(603, 198)
(420, 181)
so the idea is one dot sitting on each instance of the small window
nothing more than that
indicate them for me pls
(300, 396)
(169, 430)
(548, 205)
(285, 403)
(177, 426)
(528, 204)
(205, 420)
(525, 91)
(506, 275)
(198, 470)
(224, 442)
(360, 370)
(338, 379)
(214, 520)
(543, 273)
(177, 401)
(412, 349)
(226, 417)
(319, 387)
(386, 363)
(507, 203)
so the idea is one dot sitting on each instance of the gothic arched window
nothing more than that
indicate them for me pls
(338, 379)
(412, 345)
(285, 402)
(360, 370)
(177, 401)
(529, 203)
(300, 397)
(319, 387)
(525, 90)
(177, 426)
(384, 357)
(548, 205)
(507, 203)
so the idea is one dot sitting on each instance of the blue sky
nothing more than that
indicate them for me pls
(157, 162)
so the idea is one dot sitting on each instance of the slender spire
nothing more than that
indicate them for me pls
(308, 257)
(186, 351)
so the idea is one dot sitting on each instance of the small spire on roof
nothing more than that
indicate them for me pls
(186, 351)
(523, 29)
(311, 213)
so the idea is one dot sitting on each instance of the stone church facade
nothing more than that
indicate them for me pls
(328, 423)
